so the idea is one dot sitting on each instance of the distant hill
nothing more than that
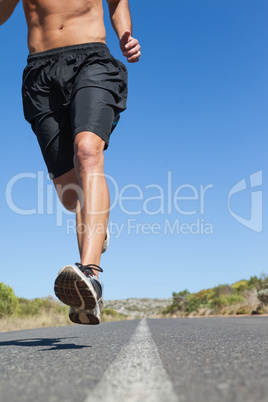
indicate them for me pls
(138, 308)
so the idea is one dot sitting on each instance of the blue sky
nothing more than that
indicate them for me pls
(196, 125)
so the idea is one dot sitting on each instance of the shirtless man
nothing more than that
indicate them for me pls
(73, 93)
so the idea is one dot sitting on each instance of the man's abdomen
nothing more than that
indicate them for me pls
(63, 23)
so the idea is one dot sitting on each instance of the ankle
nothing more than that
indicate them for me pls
(94, 268)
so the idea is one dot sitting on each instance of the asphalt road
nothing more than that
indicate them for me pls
(199, 359)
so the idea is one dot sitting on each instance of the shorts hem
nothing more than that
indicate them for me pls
(94, 130)
(53, 176)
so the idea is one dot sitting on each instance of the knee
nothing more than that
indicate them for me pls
(88, 153)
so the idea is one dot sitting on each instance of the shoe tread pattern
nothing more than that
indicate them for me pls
(85, 318)
(72, 290)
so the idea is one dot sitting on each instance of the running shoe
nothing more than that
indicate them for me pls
(78, 286)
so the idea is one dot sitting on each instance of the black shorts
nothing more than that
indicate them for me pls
(69, 90)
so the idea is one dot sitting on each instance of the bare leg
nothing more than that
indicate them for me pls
(89, 168)
(92, 206)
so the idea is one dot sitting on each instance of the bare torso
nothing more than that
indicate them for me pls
(57, 23)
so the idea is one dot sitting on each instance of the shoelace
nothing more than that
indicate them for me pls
(88, 269)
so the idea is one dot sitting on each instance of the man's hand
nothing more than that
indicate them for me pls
(130, 47)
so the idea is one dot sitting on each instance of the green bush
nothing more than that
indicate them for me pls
(219, 301)
(259, 283)
(27, 308)
(179, 297)
(178, 303)
(37, 306)
(192, 303)
(223, 290)
(234, 299)
(254, 281)
(171, 309)
(205, 296)
(242, 285)
(220, 296)
(33, 307)
(244, 310)
(180, 294)
(8, 301)
(227, 300)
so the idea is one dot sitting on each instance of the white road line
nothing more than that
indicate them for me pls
(137, 374)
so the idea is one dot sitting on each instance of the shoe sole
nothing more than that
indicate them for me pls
(84, 317)
(74, 289)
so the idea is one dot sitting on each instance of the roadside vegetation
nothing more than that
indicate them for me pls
(248, 297)
(242, 297)
(18, 313)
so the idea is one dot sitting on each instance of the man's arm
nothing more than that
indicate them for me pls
(6, 9)
(121, 22)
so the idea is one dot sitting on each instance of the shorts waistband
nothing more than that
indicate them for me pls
(47, 54)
